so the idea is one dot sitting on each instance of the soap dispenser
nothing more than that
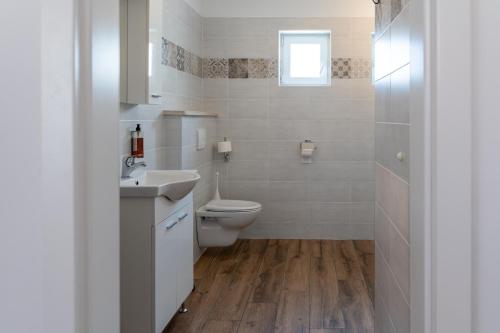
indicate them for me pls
(137, 142)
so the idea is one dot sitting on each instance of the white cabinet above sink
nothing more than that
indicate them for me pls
(141, 50)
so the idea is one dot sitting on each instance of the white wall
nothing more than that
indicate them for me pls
(287, 8)
(451, 165)
(58, 168)
(486, 166)
(392, 135)
(196, 5)
(37, 221)
(21, 229)
(58, 236)
(332, 198)
(169, 141)
(96, 159)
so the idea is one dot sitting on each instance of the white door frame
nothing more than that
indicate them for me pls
(59, 223)
(97, 66)
(441, 172)
(441, 166)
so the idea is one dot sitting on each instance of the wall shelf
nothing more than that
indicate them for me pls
(176, 113)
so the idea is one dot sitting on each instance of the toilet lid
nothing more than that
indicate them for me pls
(231, 206)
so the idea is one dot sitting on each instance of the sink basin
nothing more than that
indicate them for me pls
(173, 184)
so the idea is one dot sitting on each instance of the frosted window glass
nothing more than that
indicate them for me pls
(305, 60)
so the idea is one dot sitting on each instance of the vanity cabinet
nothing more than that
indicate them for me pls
(141, 51)
(156, 239)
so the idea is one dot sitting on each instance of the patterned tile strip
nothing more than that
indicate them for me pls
(179, 58)
(342, 68)
(238, 68)
(361, 68)
(242, 68)
(216, 68)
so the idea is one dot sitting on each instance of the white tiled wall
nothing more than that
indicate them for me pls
(392, 132)
(170, 141)
(199, 159)
(180, 91)
(331, 198)
(334, 196)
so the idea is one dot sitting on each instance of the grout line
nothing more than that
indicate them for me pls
(393, 276)
(393, 224)
(392, 71)
(392, 173)
(384, 303)
(378, 36)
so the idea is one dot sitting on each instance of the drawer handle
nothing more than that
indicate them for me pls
(156, 96)
(171, 225)
(183, 216)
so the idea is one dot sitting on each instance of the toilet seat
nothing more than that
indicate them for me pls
(232, 206)
(219, 222)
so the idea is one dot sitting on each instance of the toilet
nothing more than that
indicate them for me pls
(219, 222)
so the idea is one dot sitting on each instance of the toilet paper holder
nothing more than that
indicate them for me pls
(306, 150)
(225, 147)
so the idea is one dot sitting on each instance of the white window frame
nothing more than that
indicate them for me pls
(286, 38)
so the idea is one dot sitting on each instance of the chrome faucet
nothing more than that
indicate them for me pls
(129, 165)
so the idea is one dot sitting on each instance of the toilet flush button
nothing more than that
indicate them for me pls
(201, 138)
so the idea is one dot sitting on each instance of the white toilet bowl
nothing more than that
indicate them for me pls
(219, 222)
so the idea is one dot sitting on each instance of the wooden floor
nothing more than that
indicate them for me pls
(282, 286)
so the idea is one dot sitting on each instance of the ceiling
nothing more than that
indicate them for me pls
(284, 8)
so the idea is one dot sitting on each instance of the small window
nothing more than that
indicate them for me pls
(305, 58)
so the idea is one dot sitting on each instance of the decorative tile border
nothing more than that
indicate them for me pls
(273, 69)
(361, 68)
(342, 68)
(238, 68)
(216, 68)
(257, 68)
(244, 68)
(177, 57)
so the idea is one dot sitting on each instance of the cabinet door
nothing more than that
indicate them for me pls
(155, 51)
(165, 272)
(141, 50)
(184, 253)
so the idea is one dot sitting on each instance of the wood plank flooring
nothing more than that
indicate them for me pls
(287, 286)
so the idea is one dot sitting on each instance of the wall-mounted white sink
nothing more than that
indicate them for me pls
(173, 184)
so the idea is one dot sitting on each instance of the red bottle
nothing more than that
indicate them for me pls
(137, 142)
